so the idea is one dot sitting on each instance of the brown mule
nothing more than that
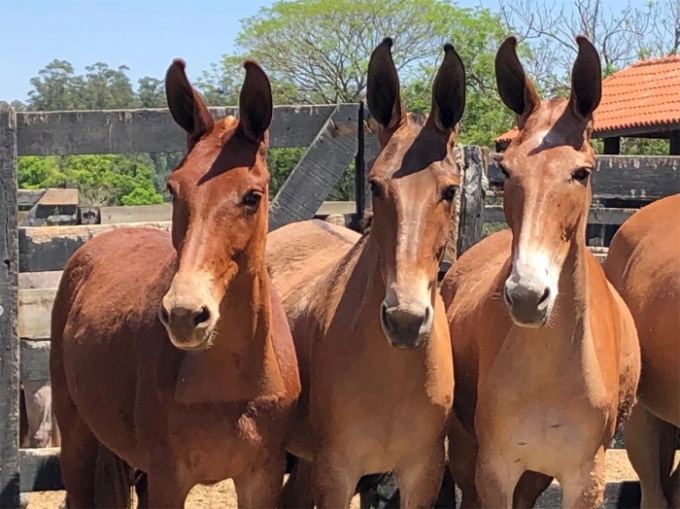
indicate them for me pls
(368, 322)
(643, 264)
(172, 353)
(546, 353)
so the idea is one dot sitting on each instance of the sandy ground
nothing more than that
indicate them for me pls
(222, 495)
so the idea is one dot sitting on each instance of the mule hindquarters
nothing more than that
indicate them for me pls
(651, 444)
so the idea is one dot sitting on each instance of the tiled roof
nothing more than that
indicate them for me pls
(645, 94)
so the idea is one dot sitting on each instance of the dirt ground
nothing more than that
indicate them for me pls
(222, 495)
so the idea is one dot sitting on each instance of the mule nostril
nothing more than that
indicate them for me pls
(202, 317)
(545, 296)
(506, 296)
(163, 315)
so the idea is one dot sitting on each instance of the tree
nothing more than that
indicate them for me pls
(317, 51)
(101, 179)
(621, 37)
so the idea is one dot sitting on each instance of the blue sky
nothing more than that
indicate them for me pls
(145, 35)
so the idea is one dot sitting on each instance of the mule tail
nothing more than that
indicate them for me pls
(114, 480)
(667, 447)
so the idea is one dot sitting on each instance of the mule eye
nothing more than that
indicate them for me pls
(251, 199)
(581, 175)
(449, 193)
(376, 188)
(171, 190)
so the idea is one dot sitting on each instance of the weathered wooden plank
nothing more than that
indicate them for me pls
(150, 130)
(30, 280)
(472, 200)
(163, 212)
(597, 215)
(35, 360)
(137, 213)
(9, 294)
(35, 309)
(45, 249)
(324, 162)
(29, 197)
(643, 177)
(40, 470)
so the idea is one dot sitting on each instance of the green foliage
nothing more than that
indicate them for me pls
(101, 180)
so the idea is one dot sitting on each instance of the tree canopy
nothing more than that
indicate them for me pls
(317, 51)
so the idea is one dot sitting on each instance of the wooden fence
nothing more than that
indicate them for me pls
(334, 135)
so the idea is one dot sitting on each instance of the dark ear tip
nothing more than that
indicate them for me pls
(387, 41)
(178, 62)
(448, 47)
(249, 64)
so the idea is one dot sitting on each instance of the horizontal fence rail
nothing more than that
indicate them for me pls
(330, 133)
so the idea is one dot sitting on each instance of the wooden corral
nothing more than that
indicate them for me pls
(35, 251)
(335, 136)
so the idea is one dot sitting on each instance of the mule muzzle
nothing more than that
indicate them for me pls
(406, 327)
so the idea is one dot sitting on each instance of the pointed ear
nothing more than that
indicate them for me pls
(448, 91)
(186, 106)
(586, 79)
(382, 87)
(514, 87)
(256, 105)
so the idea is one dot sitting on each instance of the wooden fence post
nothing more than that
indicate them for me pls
(361, 190)
(472, 199)
(9, 297)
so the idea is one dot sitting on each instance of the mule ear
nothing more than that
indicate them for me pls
(382, 87)
(514, 87)
(448, 91)
(186, 106)
(586, 79)
(256, 105)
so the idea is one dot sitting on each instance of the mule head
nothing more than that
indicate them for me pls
(547, 170)
(220, 205)
(413, 180)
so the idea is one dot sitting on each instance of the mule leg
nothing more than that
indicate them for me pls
(297, 492)
(495, 478)
(78, 461)
(462, 460)
(585, 489)
(261, 488)
(529, 487)
(166, 490)
(420, 478)
(642, 435)
(38, 395)
(333, 481)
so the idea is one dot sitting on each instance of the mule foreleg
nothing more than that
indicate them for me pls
(585, 489)
(333, 481)
(261, 487)
(495, 478)
(420, 478)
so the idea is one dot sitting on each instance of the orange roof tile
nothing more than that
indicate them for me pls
(645, 94)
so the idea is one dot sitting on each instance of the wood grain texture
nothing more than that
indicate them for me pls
(49, 248)
(319, 169)
(9, 294)
(147, 131)
(624, 177)
(472, 200)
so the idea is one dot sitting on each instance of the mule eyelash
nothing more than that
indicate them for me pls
(449, 193)
(251, 199)
(506, 173)
(581, 175)
(376, 188)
